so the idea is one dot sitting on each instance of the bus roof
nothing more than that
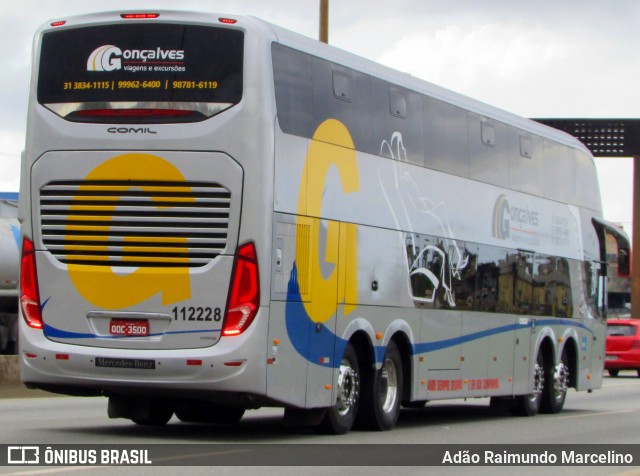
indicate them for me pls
(337, 55)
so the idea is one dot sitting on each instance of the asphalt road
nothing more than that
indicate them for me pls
(610, 415)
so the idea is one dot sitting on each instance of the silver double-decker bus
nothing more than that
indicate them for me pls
(218, 214)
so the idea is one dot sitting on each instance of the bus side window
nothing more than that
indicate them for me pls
(397, 103)
(342, 86)
(294, 95)
(592, 287)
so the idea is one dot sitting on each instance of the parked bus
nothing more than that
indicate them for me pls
(219, 214)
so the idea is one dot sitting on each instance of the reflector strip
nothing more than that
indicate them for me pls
(133, 112)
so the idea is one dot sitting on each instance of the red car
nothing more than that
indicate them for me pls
(623, 346)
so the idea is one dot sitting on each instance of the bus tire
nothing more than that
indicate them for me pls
(339, 418)
(529, 405)
(556, 386)
(382, 393)
(207, 413)
(415, 404)
(159, 414)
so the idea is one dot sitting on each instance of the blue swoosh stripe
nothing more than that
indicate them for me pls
(426, 347)
(300, 328)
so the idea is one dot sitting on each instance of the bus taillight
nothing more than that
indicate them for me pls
(244, 294)
(135, 116)
(138, 16)
(29, 296)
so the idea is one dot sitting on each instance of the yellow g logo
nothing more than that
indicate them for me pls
(331, 145)
(100, 285)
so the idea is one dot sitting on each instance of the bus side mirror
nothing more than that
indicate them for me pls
(624, 262)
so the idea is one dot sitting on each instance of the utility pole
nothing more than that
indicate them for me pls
(635, 247)
(324, 21)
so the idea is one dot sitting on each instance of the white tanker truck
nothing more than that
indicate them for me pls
(9, 270)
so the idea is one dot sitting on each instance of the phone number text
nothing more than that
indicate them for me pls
(150, 84)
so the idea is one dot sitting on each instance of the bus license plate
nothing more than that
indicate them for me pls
(129, 328)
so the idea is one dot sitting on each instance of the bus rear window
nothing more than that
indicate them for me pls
(138, 73)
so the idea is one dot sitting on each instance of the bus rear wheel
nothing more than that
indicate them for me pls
(556, 386)
(529, 405)
(209, 413)
(340, 417)
(140, 410)
(382, 393)
(159, 414)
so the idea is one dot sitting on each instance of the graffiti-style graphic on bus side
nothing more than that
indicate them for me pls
(404, 200)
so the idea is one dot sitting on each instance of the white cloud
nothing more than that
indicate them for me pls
(10, 161)
(525, 68)
(616, 186)
(467, 59)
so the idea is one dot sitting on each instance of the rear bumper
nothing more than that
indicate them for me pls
(622, 360)
(234, 366)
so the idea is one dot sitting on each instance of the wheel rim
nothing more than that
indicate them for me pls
(538, 382)
(561, 381)
(388, 385)
(348, 388)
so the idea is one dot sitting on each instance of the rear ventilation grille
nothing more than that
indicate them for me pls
(134, 223)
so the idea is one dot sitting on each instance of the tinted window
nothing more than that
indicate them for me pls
(344, 94)
(294, 93)
(559, 172)
(544, 286)
(490, 262)
(150, 62)
(445, 137)
(463, 259)
(488, 150)
(564, 297)
(442, 271)
(522, 264)
(590, 278)
(525, 162)
(620, 330)
(426, 259)
(342, 86)
(397, 115)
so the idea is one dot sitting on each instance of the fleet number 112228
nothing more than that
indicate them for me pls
(197, 314)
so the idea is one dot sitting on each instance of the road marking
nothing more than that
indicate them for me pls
(200, 455)
(60, 469)
(566, 417)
